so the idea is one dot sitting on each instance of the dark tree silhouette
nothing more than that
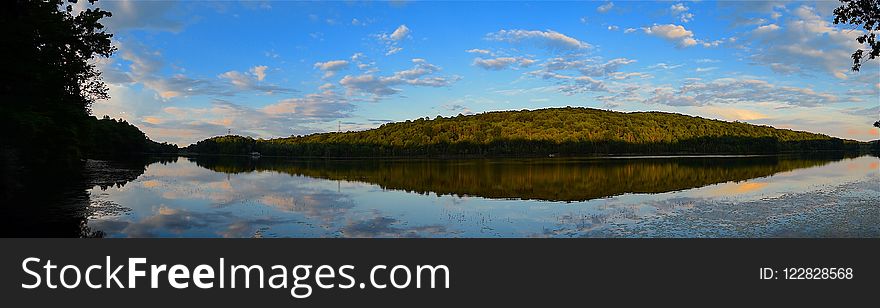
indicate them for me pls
(49, 80)
(877, 124)
(865, 13)
(48, 85)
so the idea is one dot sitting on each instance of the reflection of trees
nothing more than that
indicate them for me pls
(541, 179)
(58, 205)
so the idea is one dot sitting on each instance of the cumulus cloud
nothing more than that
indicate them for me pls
(400, 33)
(131, 14)
(705, 69)
(331, 67)
(379, 86)
(587, 67)
(760, 30)
(322, 105)
(502, 62)
(681, 11)
(732, 114)
(736, 91)
(144, 68)
(548, 39)
(251, 82)
(393, 40)
(479, 51)
(628, 93)
(570, 85)
(605, 7)
(287, 116)
(457, 108)
(673, 33)
(572, 73)
(624, 76)
(805, 42)
(665, 66)
(605, 69)
(747, 13)
(259, 71)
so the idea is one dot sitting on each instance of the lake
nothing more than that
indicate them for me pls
(741, 196)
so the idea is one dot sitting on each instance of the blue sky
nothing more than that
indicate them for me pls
(186, 71)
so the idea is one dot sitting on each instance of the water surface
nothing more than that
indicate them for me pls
(761, 196)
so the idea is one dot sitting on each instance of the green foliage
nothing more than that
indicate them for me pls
(865, 13)
(566, 131)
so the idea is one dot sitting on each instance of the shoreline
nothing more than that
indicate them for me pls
(557, 156)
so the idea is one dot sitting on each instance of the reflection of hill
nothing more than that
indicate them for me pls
(541, 179)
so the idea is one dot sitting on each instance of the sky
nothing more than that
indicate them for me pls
(186, 71)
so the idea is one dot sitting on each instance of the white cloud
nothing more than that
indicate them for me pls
(686, 17)
(624, 76)
(605, 7)
(400, 33)
(457, 108)
(628, 93)
(731, 114)
(322, 105)
(583, 84)
(674, 33)
(330, 68)
(393, 50)
(145, 67)
(502, 62)
(738, 91)
(479, 51)
(393, 40)
(549, 39)
(705, 69)
(251, 82)
(765, 29)
(665, 66)
(629, 30)
(131, 14)
(259, 71)
(680, 10)
(805, 42)
(613, 28)
(379, 86)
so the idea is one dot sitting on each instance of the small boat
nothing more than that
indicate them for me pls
(255, 154)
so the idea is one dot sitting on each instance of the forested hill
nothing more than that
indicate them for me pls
(562, 131)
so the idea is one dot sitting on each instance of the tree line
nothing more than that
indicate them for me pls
(562, 131)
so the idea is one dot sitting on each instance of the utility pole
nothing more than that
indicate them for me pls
(340, 126)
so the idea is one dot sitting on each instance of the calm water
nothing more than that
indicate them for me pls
(623, 197)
